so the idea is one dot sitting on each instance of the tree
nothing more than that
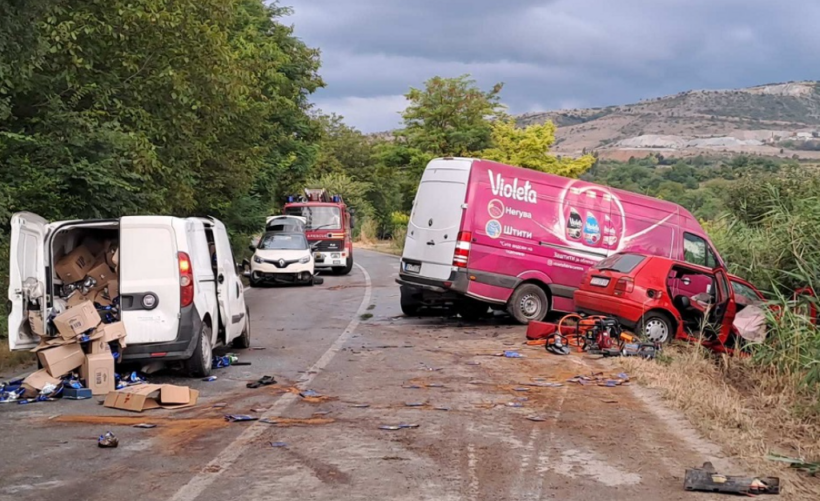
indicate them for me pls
(450, 116)
(529, 147)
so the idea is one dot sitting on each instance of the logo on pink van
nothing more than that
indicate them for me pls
(501, 187)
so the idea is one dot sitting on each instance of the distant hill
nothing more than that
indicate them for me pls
(775, 119)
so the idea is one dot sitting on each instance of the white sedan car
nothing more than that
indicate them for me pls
(282, 258)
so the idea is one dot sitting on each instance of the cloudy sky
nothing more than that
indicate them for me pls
(551, 53)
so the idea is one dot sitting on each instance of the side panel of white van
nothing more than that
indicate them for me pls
(27, 261)
(436, 217)
(231, 297)
(149, 264)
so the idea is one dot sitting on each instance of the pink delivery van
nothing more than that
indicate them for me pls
(486, 235)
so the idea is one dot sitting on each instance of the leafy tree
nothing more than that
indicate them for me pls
(529, 147)
(450, 116)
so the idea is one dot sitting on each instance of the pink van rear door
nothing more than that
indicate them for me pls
(436, 218)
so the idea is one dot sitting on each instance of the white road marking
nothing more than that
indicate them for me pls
(225, 459)
(472, 465)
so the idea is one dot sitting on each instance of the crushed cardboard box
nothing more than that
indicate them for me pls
(152, 396)
(98, 373)
(108, 333)
(50, 342)
(74, 266)
(102, 274)
(37, 381)
(74, 321)
(60, 360)
(76, 298)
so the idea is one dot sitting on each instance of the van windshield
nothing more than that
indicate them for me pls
(318, 218)
(622, 263)
(279, 241)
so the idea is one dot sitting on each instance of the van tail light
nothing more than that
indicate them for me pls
(462, 253)
(625, 284)
(186, 280)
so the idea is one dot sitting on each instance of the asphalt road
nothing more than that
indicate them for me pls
(347, 340)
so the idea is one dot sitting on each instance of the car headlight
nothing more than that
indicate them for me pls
(305, 260)
(257, 259)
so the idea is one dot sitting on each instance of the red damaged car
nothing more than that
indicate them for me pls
(661, 299)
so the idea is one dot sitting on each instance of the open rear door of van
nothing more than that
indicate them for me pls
(149, 266)
(436, 219)
(28, 233)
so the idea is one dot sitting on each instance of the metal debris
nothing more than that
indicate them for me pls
(108, 441)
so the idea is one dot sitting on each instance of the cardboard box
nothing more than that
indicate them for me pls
(36, 323)
(76, 298)
(77, 393)
(152, 396)
(75, 265)
(109, 333)
(113, 288)
(94, 245)
(102, 273)
(50, 342)
(112, 254)
(37, 381)
(97, 346)
(98, 373)
(76, 320)
(105, 296)
(60, 360)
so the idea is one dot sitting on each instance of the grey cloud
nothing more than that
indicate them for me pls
(549, 53)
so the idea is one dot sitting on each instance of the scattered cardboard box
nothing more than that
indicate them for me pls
(112, 254)
(36, 323)
(77, 320)
(101, 298)
(74, 266)
(97, 346)
(102, 274)
(152, 396)
(108, 333)
(37, 381)
(98, 373)
(61, 360)
(50, 342)
(76, 298)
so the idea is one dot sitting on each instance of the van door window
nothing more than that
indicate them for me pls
(697, 251)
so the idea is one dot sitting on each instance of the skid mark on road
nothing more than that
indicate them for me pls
(214, 469)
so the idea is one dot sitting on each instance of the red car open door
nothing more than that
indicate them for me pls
(725, 306)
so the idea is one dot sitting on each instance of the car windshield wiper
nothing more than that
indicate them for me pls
(323, 226)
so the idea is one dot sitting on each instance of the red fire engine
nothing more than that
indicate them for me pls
(328, 228)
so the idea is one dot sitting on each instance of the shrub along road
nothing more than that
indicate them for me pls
(590, 442)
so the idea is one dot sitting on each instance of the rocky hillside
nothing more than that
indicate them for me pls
(775, 119)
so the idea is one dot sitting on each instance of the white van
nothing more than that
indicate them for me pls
(180, 293)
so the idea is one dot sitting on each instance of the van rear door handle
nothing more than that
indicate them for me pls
(431, 242)
(220, 278)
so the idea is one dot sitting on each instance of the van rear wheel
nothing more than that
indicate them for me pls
(409, 305)
(199, 365)
(528, 303)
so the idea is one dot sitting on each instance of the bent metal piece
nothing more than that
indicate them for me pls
(707, 479)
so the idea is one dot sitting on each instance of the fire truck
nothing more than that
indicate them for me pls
(328, 228)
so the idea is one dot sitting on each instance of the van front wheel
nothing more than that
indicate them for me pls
(199, 365)
(528, 303)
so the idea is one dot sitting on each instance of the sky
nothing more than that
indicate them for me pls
(550, 54)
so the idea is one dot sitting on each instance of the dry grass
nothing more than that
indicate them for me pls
(747, 412)
(368, 232)
(11, 360)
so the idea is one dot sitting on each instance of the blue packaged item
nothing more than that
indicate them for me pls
(77, 393)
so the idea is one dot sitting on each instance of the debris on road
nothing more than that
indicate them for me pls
(473, 362)
(707, 479)
(209, 378)
(441, 408)
(435, 385)
(108, 441)
(393, 427)
(812, 468)
(515, 404)
(235, 418)
(537, 419)
(414, 404)
(360, 406)
(510, 354)
(152, 396)
(224, 361)
(145, 425)
(278, 444)
(521, 389)
(310, 394)
(220, 405)
(263, 381)
(411, 387)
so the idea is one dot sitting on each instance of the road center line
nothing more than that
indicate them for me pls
(225, 459)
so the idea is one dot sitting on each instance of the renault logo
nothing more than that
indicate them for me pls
(430, 222)
(281, 263)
